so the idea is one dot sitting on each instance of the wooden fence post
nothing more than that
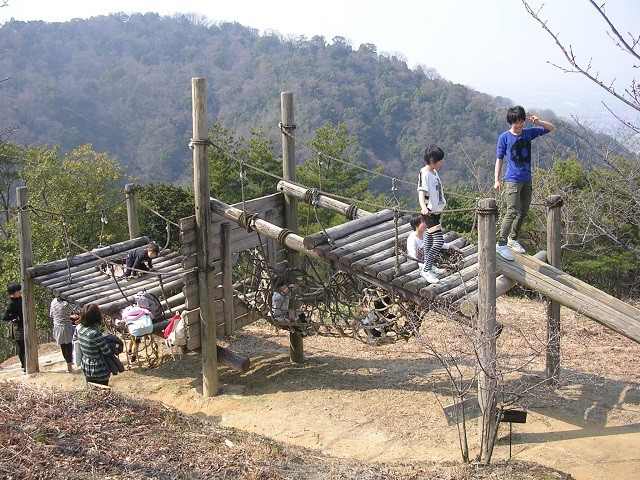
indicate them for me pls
(486, 327)
(227, 277)
(28, 294)
(132, 210)
(296, 351)
(206, 286)
(554, 258)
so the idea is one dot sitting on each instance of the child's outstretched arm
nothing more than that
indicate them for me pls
(541, 123)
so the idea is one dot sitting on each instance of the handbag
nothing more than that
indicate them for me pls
(140, 327)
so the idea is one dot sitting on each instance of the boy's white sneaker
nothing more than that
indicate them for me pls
(438, 271)
(504, 252)
(429, 277)
(514, 245)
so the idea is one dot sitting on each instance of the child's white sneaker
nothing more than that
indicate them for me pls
(429, 277)
(504, 252)
(438, 271)
(514, 245)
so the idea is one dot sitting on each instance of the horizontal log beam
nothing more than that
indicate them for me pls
(574, 294)
(323, 201)
(39, 270)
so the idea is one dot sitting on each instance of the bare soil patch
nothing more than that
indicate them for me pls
(380, 407)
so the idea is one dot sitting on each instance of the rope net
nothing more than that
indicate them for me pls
(319, 300)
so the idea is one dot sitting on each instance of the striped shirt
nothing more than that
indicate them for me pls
(60, 311)
(93, 346)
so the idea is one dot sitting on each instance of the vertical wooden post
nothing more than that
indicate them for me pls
(227, 277)
(554, 207)
(28, 294)
(132, 210)
(486, 328)
(287, 125)
(202, 190)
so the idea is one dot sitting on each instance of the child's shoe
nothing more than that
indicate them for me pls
(514, 245)
(438, 271)
(504, 252)
(429, 277)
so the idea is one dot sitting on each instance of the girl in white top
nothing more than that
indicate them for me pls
(432, 203)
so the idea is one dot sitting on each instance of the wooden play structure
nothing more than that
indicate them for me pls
(199, 278)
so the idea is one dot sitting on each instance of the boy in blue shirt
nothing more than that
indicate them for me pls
(515, 145)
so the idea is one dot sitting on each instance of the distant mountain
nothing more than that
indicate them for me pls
(123, 84)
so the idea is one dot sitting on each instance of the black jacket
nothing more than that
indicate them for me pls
(14, 311)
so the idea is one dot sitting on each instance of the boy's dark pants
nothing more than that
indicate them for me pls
(518, 203)
(20, 351)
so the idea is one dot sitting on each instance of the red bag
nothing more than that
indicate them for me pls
(172, 324)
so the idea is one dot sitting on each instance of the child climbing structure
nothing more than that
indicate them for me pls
(339, 248)
(365, 248)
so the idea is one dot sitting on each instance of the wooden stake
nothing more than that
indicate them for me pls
(296, 351)
(132, 210)
(28, 294)
(554, 205)
(206, 285)
(486, 325)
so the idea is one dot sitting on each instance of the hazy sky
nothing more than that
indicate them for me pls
(493, 46)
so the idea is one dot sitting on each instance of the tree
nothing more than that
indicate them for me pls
(629, 43)
(240, 168)
(11, 160)
(76, 203)
(329, 173)
(166, 200)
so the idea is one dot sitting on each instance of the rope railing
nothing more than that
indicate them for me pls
(347, 199)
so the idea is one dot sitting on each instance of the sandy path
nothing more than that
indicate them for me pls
(383, 403)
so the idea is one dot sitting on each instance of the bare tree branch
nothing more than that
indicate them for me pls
(571, 58)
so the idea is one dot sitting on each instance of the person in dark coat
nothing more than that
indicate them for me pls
(140, 259)
(13, 315)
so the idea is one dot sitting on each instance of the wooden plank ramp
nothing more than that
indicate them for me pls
(585, 299)
(80, 281)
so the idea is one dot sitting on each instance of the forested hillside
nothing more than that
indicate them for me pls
(122, 84)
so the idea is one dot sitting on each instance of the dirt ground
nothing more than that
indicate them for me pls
(384, 403)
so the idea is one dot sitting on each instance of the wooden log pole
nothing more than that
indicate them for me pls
(554, 239)
(132, 210)
(202, 191)
(291, 240)
(81, 259)
(341, 231)
(28, 293)
(350, 211)
(287, 125)
(486, 325)
(227, 280)
(233, 360)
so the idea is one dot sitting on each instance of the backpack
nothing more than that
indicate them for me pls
(149, 301)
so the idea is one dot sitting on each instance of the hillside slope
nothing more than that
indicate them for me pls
(122, 83)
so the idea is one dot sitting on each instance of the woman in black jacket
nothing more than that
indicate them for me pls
(13, 315)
